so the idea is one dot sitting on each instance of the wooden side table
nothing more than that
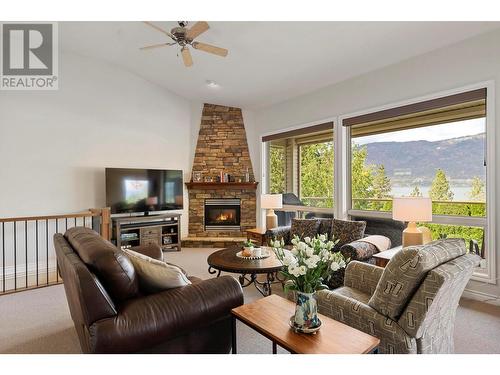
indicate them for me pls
(382, 258)
(257, 235)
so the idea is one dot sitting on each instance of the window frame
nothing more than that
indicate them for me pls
(487, 274)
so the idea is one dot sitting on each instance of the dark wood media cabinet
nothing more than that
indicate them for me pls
(163, 230)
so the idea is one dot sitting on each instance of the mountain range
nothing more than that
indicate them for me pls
(461, 158)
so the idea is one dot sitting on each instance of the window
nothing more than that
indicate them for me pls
(316, 174)
(434, 149)
(277, 166)
(300, 163)
(445, 162)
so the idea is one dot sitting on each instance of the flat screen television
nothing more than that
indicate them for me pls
(143, 190)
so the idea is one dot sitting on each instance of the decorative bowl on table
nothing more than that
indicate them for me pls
(300, 329)
(256, 253)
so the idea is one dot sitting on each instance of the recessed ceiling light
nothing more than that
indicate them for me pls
(211, 83)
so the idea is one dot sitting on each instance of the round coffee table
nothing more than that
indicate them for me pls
(227, 261)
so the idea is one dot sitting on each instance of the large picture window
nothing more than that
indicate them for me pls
(433, 149)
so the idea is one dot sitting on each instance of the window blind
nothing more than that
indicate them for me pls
(299, 132)
(458, 107)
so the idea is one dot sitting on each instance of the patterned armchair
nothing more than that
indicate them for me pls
(411, 304)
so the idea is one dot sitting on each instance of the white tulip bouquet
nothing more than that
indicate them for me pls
(309, 264)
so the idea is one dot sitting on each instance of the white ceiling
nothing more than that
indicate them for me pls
(268, 62)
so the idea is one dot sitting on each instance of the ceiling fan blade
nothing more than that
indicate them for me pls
(186, 57)
(210, 49)
(160, 30)
(197, 29)
(155, 46)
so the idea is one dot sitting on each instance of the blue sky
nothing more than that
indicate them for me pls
(430, 133)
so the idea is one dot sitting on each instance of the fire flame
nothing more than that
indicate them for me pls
(224, 217)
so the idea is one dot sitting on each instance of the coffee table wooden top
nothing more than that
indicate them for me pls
(270, 316)
(226, 260)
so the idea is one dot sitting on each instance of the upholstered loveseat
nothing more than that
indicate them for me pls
(410, 305)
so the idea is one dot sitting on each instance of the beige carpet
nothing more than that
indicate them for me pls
(38, 321)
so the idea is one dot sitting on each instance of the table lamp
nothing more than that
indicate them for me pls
(412, 209)
(271, 202)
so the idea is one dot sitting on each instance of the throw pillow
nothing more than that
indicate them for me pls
(155, 275)
(347, 231)
(358, 250)
(325, 227)
(304, 228)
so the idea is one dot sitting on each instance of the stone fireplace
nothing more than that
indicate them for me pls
(221, 212)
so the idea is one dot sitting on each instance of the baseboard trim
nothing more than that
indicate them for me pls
(482, 297)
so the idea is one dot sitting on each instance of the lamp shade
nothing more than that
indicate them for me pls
(412, 209)
(271, 201)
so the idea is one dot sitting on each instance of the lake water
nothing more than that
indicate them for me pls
(461, 193)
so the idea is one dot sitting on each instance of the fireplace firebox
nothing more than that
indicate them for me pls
(222, 214)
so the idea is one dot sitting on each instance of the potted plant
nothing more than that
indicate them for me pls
(247, 248)
(306, 267)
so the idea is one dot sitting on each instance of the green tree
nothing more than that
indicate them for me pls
(362, 177)
(381, 188)
(277, 161)
(440, 188)
(477, 191)
(416, 192)
(316, 174)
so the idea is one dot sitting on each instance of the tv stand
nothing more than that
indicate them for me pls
(163, 230)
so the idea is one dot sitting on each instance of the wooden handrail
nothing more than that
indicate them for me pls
(104, 213)
(48, 217)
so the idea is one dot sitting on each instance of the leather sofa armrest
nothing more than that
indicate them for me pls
(147, 321)
(279, 233)
(151, 250)
(362, 276)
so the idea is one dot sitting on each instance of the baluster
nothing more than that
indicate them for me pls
(57, 264)
(15, 257)
(47, 250)
(26, 250)
(36, 249)
(3, 257)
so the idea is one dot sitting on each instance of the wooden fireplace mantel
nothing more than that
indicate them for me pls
(222, 185)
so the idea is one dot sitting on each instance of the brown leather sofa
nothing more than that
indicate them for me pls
(112, 315)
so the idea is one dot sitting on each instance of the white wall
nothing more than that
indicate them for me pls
(54, 145)
(468, 62)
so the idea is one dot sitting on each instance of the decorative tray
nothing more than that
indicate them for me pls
(264, 254)
(298, 329)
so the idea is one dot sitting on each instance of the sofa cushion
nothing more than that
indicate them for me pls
(155, 275)
(304, 228)
(347, 231)
(405, 271)
(111, 266)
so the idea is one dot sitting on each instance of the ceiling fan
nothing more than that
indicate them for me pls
(184, 37)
